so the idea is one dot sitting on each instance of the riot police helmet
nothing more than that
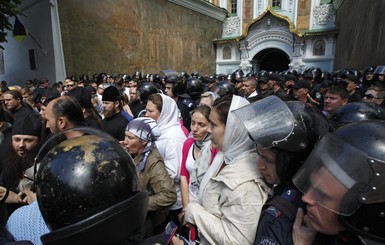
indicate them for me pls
(353, 157)
(224, 87)
(291, 128)
(355, 112)
(88, 190)
(145, 89)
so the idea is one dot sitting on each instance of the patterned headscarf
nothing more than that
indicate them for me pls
(145, 129)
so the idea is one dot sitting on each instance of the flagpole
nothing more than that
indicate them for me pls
(43, 50)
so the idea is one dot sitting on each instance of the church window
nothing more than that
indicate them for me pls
(233, 7)
(276, 4)
(319, 48)
(226, 53)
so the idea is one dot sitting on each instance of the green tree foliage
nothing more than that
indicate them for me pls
(8, 8)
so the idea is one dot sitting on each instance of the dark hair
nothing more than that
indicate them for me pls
(222, 106)
(340, 91)
(70, 108)
(157, 100)
(204, 110)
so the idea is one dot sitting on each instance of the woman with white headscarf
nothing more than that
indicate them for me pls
(140, 136)
(165, 112)
(232, 192)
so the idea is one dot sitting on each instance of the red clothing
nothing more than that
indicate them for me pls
(186, 147)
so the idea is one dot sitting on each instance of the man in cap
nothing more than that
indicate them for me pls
(301, 90)
(114, 122)
(83, 96)
(275, 84)
(289, 80)
(352, 85)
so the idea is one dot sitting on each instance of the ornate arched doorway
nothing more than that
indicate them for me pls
(272, 59)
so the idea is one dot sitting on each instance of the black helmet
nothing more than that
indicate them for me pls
(380, 70)
(85, 78)
(184, 74)
(293, 138)
(194, 88)
(145, 89)
(74, 78)
(137, 75)
(195, 74)
(230, 77)
(87, 188)
(224, 87)
(155, 78)
(262, 73)
(317, 74)
(355, 112)
(179, 82)
(238, 74)
(354, 155)
(326, 75)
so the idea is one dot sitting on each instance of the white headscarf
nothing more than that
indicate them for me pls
(169, 116)
(236, 143)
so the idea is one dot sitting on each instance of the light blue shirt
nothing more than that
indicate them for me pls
(26, 223)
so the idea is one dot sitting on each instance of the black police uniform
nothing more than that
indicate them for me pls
(185, 106)
(276, 223)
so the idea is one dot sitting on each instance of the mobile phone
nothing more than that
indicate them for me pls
(185, 242)
(169, 232)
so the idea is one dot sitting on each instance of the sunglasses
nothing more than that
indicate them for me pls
(370, 96)
(70, 85)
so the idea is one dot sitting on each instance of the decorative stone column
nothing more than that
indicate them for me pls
(298, 52)
(245, 64)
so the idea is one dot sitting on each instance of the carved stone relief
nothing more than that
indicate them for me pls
(324, 14)
(231, 27)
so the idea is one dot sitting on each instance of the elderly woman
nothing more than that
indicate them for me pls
(165, 112)
(26, 223)
(232, 192)
(140, 136)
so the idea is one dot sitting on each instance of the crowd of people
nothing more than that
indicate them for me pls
(293, 157)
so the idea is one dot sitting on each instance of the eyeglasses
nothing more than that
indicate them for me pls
(70, 85)
(370, 97)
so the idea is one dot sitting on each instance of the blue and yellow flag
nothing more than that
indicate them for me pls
(19, 31)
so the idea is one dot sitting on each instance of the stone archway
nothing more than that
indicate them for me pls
(272, 59)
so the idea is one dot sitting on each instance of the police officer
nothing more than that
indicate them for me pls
(282, 148)
(189, 100)
(344, 189)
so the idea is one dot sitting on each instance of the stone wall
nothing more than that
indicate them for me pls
(361, 38)
(119, 36)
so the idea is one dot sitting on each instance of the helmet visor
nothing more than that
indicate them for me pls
(339, 176)
(269, 122)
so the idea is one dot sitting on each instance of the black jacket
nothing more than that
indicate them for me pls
(115, 126)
